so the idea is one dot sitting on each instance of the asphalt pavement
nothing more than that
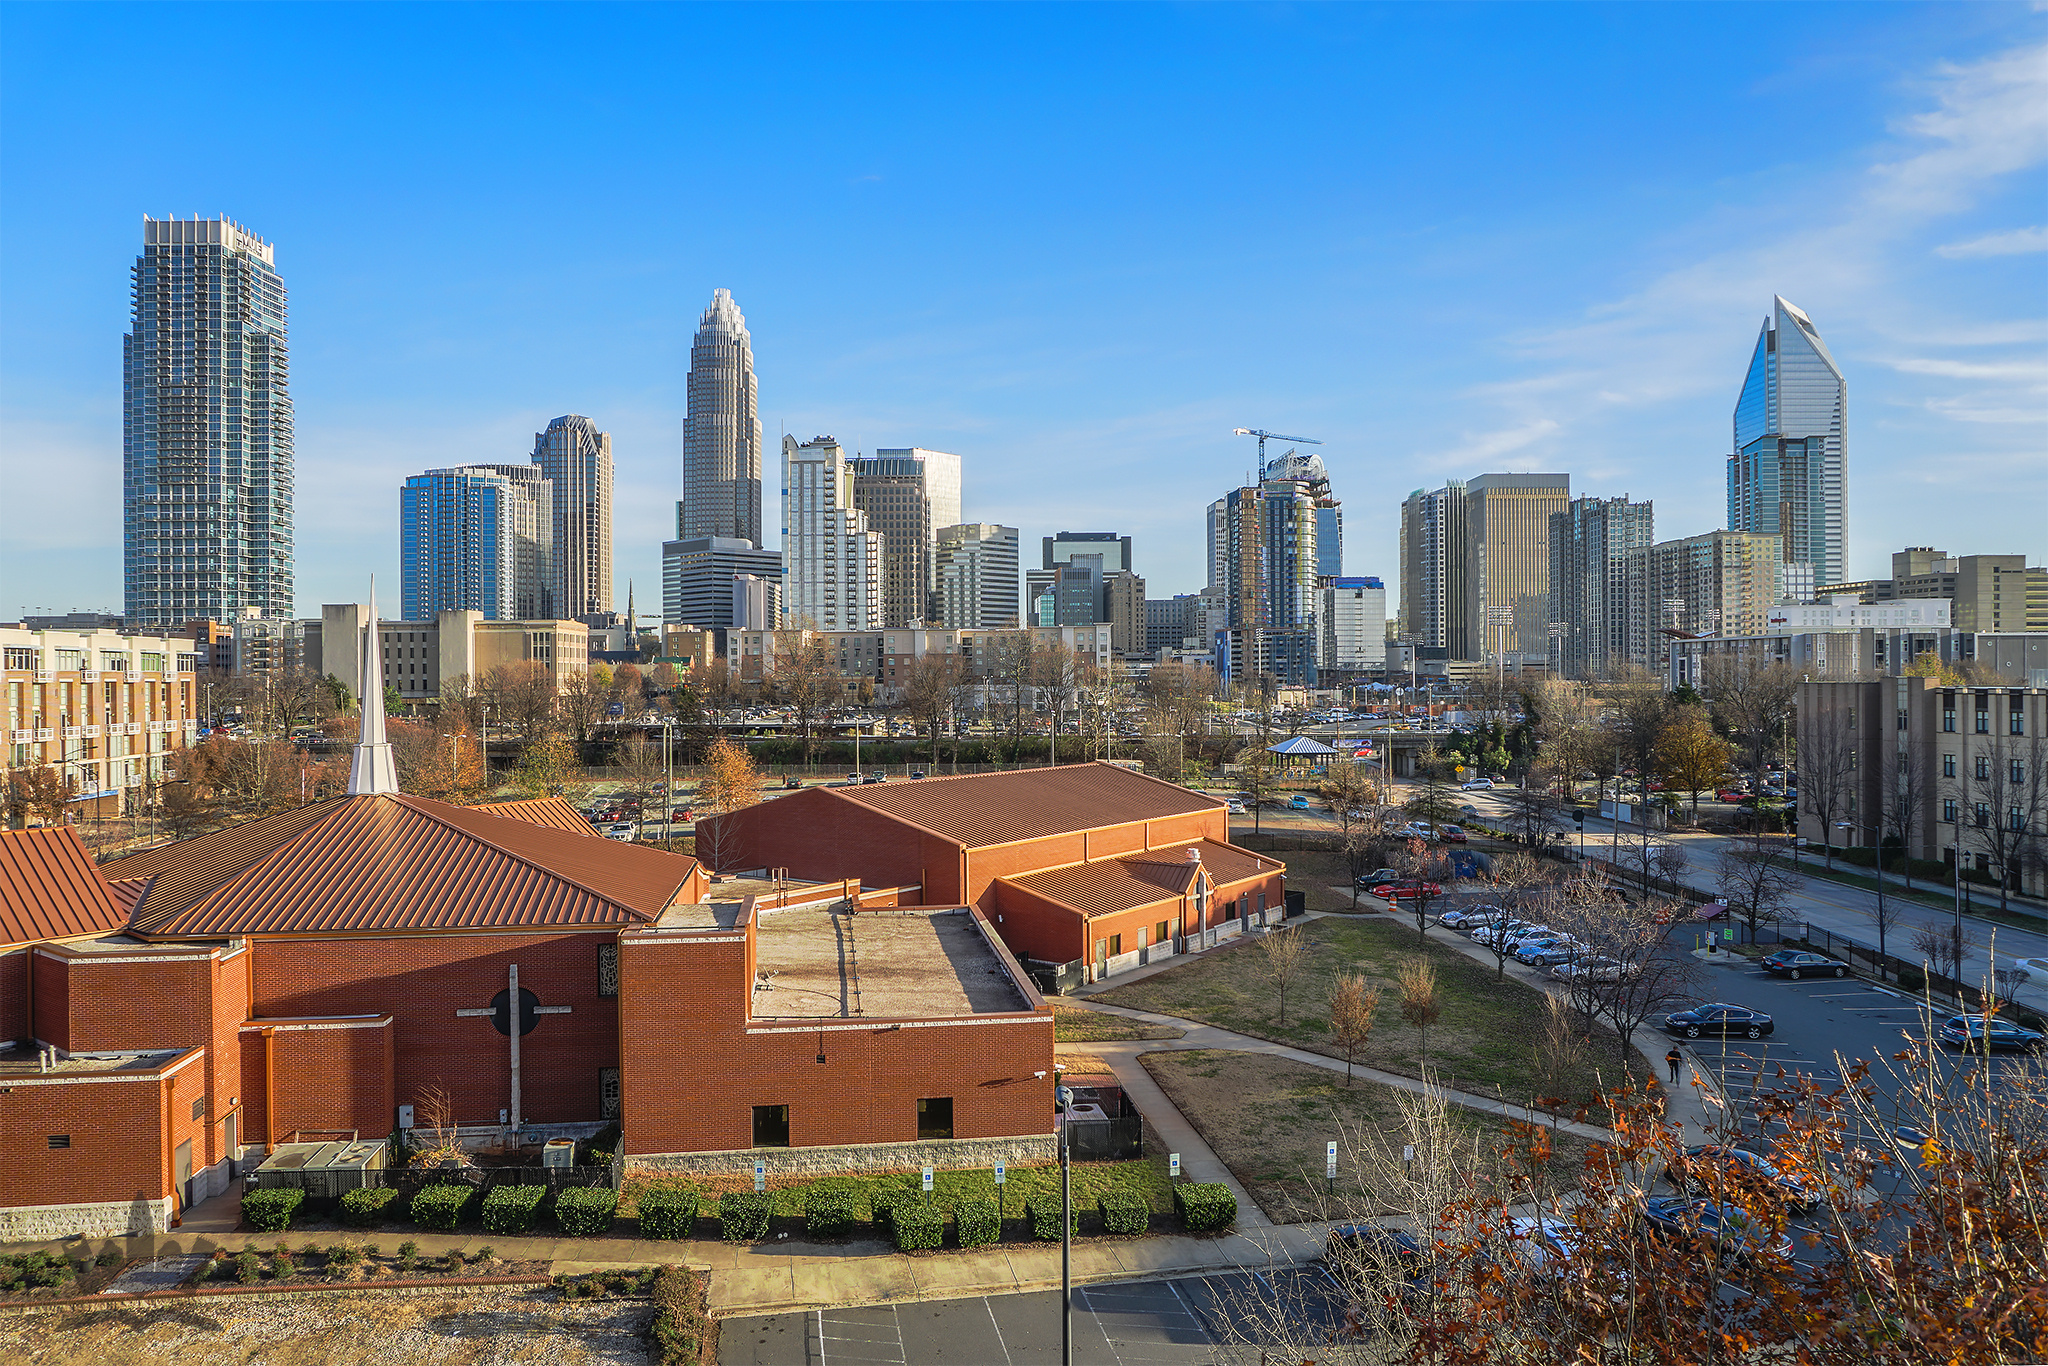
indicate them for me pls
(1166, 1321)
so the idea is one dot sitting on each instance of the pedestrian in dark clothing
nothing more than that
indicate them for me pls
(1676, 1059)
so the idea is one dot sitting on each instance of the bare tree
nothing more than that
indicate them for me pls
(1427, 868)
(1648, 977)
(2007, 790)
(1532, 815)
(930, 692)
(1353, 1012)
(1637, 709)
(1567, 729)
(1285, 956)
(583, 701)
(521, 696)
(1942, 948)
(1904, 804)
(1754, 875)
(1827, 771)
(1756, 702)
(1060, 673)
(1557, 1056)
(806, 680)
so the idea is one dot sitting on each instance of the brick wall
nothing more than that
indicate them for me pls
(324, 1075)
(14, 1019)
(817, 835)
(122, 1134)
(422, 980)
(694, 1069)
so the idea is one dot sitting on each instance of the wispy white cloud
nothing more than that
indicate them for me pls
(2018, 242)
(1958, 369)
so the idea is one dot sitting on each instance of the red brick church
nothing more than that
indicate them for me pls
(168, 1016)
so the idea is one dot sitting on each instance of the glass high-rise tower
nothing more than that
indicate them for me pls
(476, 538)
(722, 430)
(1789, 474)
(206, 424)
(576, 458)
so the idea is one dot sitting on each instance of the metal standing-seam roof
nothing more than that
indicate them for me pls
(982, 809)
(49, 888)
(555, 812)
(393, 863)
(1302, 744)
(1120, 884)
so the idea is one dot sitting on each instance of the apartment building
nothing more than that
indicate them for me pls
(107, 710)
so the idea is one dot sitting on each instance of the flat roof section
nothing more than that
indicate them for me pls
(883, 964)
(21, 1061)
(713, 915)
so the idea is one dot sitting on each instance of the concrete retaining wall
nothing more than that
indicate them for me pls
(107, 1219)
(946, 1154)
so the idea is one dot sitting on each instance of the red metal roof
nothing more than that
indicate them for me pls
(1122, 884)
(398, 863)
(982, 809)
(550, 811)
(49, 888)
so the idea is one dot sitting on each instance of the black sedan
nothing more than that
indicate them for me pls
(1974, 1033)
(1737, 1236)
(1718, 1017)
(1371, 1258)
(1796, 963)
(1693, 1170)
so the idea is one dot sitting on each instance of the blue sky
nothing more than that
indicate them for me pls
(1075, 244)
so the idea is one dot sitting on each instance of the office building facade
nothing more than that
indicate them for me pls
(1436, 571)
(477, 538)
(1789, 473)
(908, 494)
(1590, 607)
(576, 459)
(206, 419)
(721, 430)
(1721, 583)
(702, 583)
(1988, 592)
(1114, 550)
(832, 562)
(1508, 526)
(976, 576)
(1352, 620)
(1310, 470)
(106, 710)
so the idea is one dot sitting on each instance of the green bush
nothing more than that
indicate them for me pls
(743, 1216)
(248, 1268)
(1912, 979)
(680, 1323)
(364, 1207)
(271, 1211)
(977, 1222)
(828, 1211)
(586, 1211)
(1123, 1212)
(1044, 1215)
(883, 1203)
(668, 1214)
(442, 1207)
(510, 1210)
(1204, 1206)
(917, 1225)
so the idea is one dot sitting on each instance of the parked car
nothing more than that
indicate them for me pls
(1550, 955)
(1799, 963)
(1406, 891)
(793, 783)
(1968, 1033)
(1718, 1017)
(1298, 802)
(1452, 834)
(1595, 969)
(1372, 1259)
(1730, 795)
(1468, 915)
(1508, 935)
(1736, 1234)
(621, 831)
(875, 778)
(1379, 875)
(1692, 1170)
(1476, 784)
(1234, 807)
(917, 773)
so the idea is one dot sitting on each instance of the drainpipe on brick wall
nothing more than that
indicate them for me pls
(269, 1089)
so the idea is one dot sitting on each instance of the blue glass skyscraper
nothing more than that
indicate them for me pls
(1789, 473)
(475, 538)
(206, 428)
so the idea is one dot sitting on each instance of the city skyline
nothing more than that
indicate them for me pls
(1090, 369)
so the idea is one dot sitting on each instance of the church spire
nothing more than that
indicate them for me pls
(371, 770)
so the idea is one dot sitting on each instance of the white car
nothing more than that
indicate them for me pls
(1588, 970)
(621, 831)
(1476, 784)
(1469, 916)
(1235, 808)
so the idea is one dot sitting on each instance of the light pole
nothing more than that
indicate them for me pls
(1064, 1096)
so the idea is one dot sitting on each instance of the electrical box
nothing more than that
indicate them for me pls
(559, 1152)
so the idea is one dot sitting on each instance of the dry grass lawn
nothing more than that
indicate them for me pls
(1481, 1043)
(1078, 1024)
(508, 1326)
(1268, 1120)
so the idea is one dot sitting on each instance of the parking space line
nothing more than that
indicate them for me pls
(990, 1310)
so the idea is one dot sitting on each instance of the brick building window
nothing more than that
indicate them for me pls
(1116, 945)
(1948, 810)
(608, 1092)
(607, 969)
(60, 1140)
(1948, 765)
(1159, 933)
(935, 1117)
(771, 1126)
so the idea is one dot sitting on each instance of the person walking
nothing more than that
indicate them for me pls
(1676, 1060)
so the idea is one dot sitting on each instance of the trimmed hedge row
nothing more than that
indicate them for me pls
(443, 1207)
(977, 1222)
(668, 1214)
(743, 1216)
(586, 1211)
(364, 1207)
(828, 1212)
(510, 1210)
(1045, 1220)
(1204, 1206)
(917, 1225)
(680, 1324)
(271, 1211)
(1123, 1212)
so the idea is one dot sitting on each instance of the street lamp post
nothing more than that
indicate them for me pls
(1064, 1097)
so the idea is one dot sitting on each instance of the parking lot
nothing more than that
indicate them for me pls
(1181, 1320)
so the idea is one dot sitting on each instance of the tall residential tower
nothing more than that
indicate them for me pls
(908, 493)
(1789, 474)
(722, 431)
(576, 458)
(476, 538)
(206, 428)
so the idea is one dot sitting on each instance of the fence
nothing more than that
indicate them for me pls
(409, 1181)
(1116, 1138)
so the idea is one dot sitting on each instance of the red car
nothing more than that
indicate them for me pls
(1398, 891)
(1452, 834)
(1731, 796)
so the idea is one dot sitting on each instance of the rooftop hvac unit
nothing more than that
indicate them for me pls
(559, 1152)
(322, 1170)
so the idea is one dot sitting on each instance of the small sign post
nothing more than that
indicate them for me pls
(1173, 1165)
(760, 1177)
(1330, 1162)
(1408, 1159)
(1000, 1168)
(927, 1180)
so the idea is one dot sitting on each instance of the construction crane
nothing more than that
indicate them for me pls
(1247, 431)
